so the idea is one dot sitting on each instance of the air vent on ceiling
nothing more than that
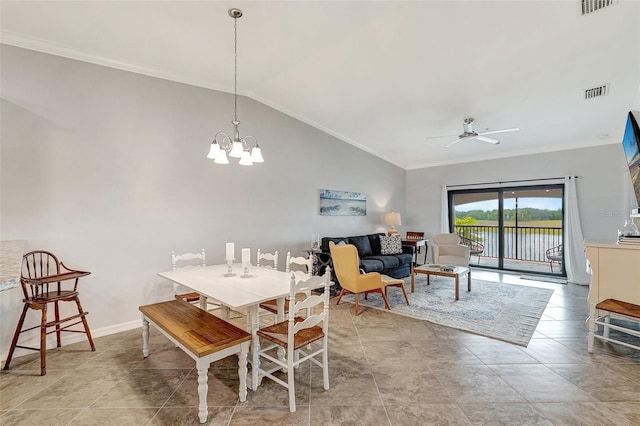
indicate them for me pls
(590, 6)
(595, 92)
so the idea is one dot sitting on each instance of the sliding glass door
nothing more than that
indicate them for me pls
(518, 229)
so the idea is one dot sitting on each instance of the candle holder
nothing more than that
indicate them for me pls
(229, 269)
(246, 272)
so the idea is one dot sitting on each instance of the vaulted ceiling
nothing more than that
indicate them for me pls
(386, 76)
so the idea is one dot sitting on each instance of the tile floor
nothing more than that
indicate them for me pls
(384, 370)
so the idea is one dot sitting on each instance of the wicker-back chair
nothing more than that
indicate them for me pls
(555, 255)
(476, 247)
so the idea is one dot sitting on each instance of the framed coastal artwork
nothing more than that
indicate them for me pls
(342, 203)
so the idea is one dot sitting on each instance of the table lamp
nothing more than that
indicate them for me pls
(392, 219)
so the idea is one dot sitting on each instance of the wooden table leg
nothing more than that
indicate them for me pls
(203, 389)
(457, 286)
(428, 279)
(224, 311)
(255, 346)
(413, 275)
(242, 370)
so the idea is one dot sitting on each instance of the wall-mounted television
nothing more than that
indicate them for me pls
(631, 145)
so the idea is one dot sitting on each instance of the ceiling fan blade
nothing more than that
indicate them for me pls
(453, 142)
(482, 138)
(440, 137)
(493, 132)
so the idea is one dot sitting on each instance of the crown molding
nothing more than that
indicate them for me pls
(12, 38)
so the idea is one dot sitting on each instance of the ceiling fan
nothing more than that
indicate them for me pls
(468, 133)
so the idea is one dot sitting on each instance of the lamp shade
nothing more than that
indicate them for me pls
(221, 158)
(213, 151)
(245, 159)
(392, 218)
(236, 149)
(256, 155)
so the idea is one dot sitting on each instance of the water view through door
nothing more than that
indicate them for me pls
(517, 229)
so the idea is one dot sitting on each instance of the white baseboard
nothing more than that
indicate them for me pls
(70, 338)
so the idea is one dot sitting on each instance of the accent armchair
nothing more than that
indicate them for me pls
(345, 264)
(448, 250)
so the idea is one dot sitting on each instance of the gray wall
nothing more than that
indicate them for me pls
(603, 192)
(107, 169)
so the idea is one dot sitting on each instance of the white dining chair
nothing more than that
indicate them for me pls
(302, 266)
(190, 260)
(271, 260)
(301, 263)
(303, 339)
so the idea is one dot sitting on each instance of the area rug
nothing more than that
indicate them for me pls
(505, 312)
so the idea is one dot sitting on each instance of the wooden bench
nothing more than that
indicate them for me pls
(623, 310)
(201, 335)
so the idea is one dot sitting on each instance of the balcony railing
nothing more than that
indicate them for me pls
(526, 243)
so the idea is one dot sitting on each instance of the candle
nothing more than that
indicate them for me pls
(230, 252)
(246, 257)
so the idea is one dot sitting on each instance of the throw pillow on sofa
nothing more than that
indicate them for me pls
(390, 245)
(362, 244)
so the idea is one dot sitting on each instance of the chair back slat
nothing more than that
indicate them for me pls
(311, 300)
(269, 257)
(38, 264)
(186, 260)
(299, 263)
(309, 322)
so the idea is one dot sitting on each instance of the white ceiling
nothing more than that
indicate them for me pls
(382, 75)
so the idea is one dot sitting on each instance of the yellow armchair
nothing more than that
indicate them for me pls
(347, 270)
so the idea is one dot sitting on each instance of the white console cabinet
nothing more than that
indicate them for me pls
(614, 291)
(616, 272)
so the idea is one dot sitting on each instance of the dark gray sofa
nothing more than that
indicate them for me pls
(368, 246)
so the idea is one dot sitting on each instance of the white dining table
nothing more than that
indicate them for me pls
(236, 292)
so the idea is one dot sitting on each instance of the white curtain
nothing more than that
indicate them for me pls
(574, 251)
(444, 211)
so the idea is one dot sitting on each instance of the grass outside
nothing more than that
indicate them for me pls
(532, 223)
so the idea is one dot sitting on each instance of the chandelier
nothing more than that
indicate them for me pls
(222, 143)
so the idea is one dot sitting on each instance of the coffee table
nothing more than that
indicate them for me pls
(435, 270)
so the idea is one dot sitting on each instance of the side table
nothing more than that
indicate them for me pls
(417, 244)
(321, 260)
